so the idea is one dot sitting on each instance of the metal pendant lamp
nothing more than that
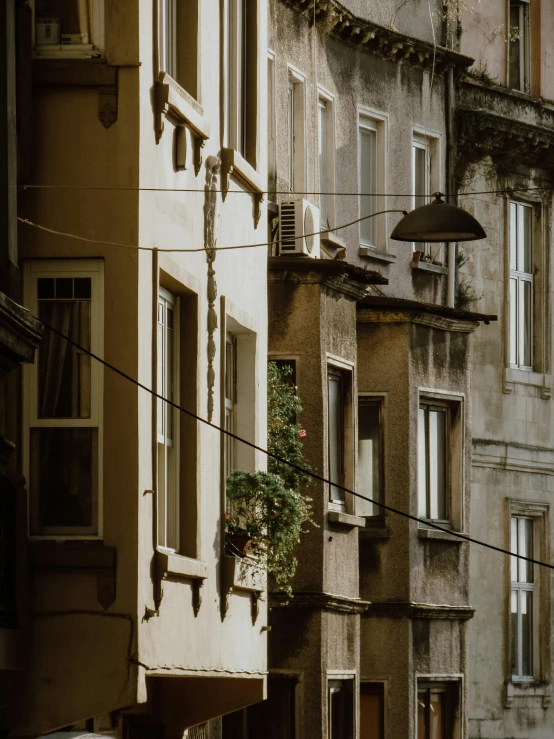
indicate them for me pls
(438, 221)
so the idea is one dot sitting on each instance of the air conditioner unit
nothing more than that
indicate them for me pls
(299, 229)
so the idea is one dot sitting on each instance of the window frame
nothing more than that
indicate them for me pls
(296, 129)
(523, 42)
(538, 513)
(95, 47)
(347, 684)
(454, 405)
(169, 299)
(271, 121)
(430, 143)
(326, 142)
(370, 120)
(379, 400)
(521, 278)
(33, 270)
(371, 687)
(344, 370)
(452, 686)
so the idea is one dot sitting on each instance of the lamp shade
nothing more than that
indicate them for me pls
(438, 221)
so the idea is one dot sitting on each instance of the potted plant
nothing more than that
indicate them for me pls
(268, 510)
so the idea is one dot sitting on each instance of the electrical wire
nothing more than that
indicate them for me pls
(502, 191)
(292, 465)
(28, 222)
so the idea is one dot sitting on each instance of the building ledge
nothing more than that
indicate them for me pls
(345, 519)
(233, 163)
(20, 334)
(177, 566)
(318, 601)
(370, 531)
(530, 689)
(408, 609)
(377, 256)
(436, 269)
(436, 535)
(244, 573)
(515, 376)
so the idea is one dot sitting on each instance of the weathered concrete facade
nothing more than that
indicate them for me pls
(506, 132)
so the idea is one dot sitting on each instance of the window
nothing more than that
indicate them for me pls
(168, 428)
(65, 400)
(274, 718)
(519, 43)
(230, 400)
(178, 34)
(241, 81)
(296, 121)
(432, 462)
(271, 123)
(340, 709)
(437, 706)
(521, 599)
(372, 181)
(370, 456)
(372, 711)
(521, 286)
(326, 158)
(68, 27)
(335, 434)
(421, 172)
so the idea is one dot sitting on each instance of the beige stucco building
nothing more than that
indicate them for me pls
(145, 123)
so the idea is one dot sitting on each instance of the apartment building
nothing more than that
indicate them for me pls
(373, 642)
(143, 137)
(506, 129)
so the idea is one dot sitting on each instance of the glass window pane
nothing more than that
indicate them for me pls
(515, 47)
(45, 288)
(437, 715)
(323, 199)
(513, 321)
(525, 548)
(513, 548)
(64, 382)
(369, 458)
(526, 633)
(526, 240)
(514, 644)
(437, 463)
(513, 235)
(291, 134)
(160, 371)
(170, 373)
(63, 495)
(64, 288)
(422, 464)
(526, 307)
(421, 185)
(422, 699)
(335, 437)
(368, 183)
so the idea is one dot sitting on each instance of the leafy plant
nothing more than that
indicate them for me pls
(270, 507)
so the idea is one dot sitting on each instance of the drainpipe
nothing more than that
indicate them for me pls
(451, 158)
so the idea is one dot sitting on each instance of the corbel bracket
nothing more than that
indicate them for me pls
(233, 163)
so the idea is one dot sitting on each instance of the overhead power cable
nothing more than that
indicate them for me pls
(107, 188)
(290, 464)
(54, 231)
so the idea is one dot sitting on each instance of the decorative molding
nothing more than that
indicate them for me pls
(513, 457)
(319, 601)
(443, 323)
(542, 382)
(408, 609)
(20, 334)
(213, 166)
(235, 164)
(386, 43)
(531, 689)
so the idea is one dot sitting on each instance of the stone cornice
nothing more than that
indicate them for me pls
(363, 34)
(20, 334)
(408, 609)
(496, 121)
(318, 601)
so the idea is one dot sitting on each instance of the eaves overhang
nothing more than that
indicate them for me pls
(504, 124)
(388, 43)
(375, 309)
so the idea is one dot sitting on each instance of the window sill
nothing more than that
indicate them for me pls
(244, 573)
(345, 519)
(428, 267)
(175, 565)
(329, 238)
(436, 535)
(528, 689)
(514, 376)
(233, 163)
(67, 51)
(378, 256)
(175, 101)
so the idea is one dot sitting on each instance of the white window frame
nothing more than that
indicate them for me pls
(519, 279)
(326, 144)
(230, 402)
(92, 46)
(167, 25)
(524, 43)
(449, 682)
(167, 498)
(345, 368)
(296, 127)
(521, 588)
(362, 506)
(369, 120)
(235, 77)
(454, 404)
(271, 119)
(71, 268)
(430, 143)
